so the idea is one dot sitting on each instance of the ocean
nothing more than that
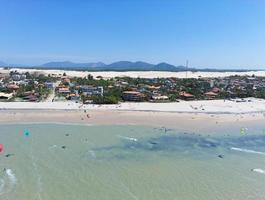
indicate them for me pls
(66, 162)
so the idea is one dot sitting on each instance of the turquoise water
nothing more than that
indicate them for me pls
(66, 162)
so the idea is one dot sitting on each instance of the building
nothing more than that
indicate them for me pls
(12, 87)
(31, 97)
(73, 97)
(18, 77)
(210, 95)
(49, 85)
(133, 96)
(216, 90)
(64, 90)
(89, 90)
(160, 97)
(186, 96)
(5, 96)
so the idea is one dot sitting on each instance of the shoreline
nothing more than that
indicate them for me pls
(195, 116)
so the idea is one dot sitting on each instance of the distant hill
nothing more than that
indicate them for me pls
(116, 66)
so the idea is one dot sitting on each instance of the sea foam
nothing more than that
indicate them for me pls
(261, 171)
(11, 176)
(128, 138)
(247, 150)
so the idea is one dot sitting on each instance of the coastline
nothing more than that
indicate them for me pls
(195, 116)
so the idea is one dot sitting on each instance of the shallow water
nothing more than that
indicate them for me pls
(129, 162)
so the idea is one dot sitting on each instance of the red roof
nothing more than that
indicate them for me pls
(13, 86)
(210, 94)
(185, 94)
(216, 90)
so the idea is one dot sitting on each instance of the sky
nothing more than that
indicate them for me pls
(209, 33)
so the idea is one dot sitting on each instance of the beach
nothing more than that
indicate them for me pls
(186, 115)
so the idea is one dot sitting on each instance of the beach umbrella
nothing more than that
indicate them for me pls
(1, 148)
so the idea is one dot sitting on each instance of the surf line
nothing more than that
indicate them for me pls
(12, 182)
(128, 138)
(261, 171)
(2, 185)
(247, 151)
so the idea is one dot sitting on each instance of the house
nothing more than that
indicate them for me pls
(133, 96)
(210, 95)
(12, 87)
(49, 85)
(64, 90)
(186, 96)
(5, 96)
(66, 80)
(152, 87)
(216, 90)
(73, 97)
(89, 90)
(31, 97)
(160, 97)
(18, 77)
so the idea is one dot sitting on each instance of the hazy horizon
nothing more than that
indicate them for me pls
(210, 34)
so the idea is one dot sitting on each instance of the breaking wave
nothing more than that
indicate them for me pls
(128, 138)
(11, 176)
(261, 171)
(247, 150)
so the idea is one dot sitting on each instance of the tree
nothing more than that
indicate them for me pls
(105, 100)
(89, 77)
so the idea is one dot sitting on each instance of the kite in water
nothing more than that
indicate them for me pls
(243, 131)
(1, 148)
(26, 133)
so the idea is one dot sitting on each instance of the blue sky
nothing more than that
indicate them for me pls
(210, 33)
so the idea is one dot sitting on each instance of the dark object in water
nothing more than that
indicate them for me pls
(63, 147)
(67, 134)
(220, 156)
(151, 142)
(9, 154)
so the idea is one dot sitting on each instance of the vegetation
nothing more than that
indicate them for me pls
(150, 89)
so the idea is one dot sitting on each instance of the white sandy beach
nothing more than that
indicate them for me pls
(251, 105)
(141, 74)
(186, 115)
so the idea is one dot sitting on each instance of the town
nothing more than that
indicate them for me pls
(36, 87)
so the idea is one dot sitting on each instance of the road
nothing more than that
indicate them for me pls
(52, 94)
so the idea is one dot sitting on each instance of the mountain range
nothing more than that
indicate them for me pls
(116, 66)
(100, 66)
